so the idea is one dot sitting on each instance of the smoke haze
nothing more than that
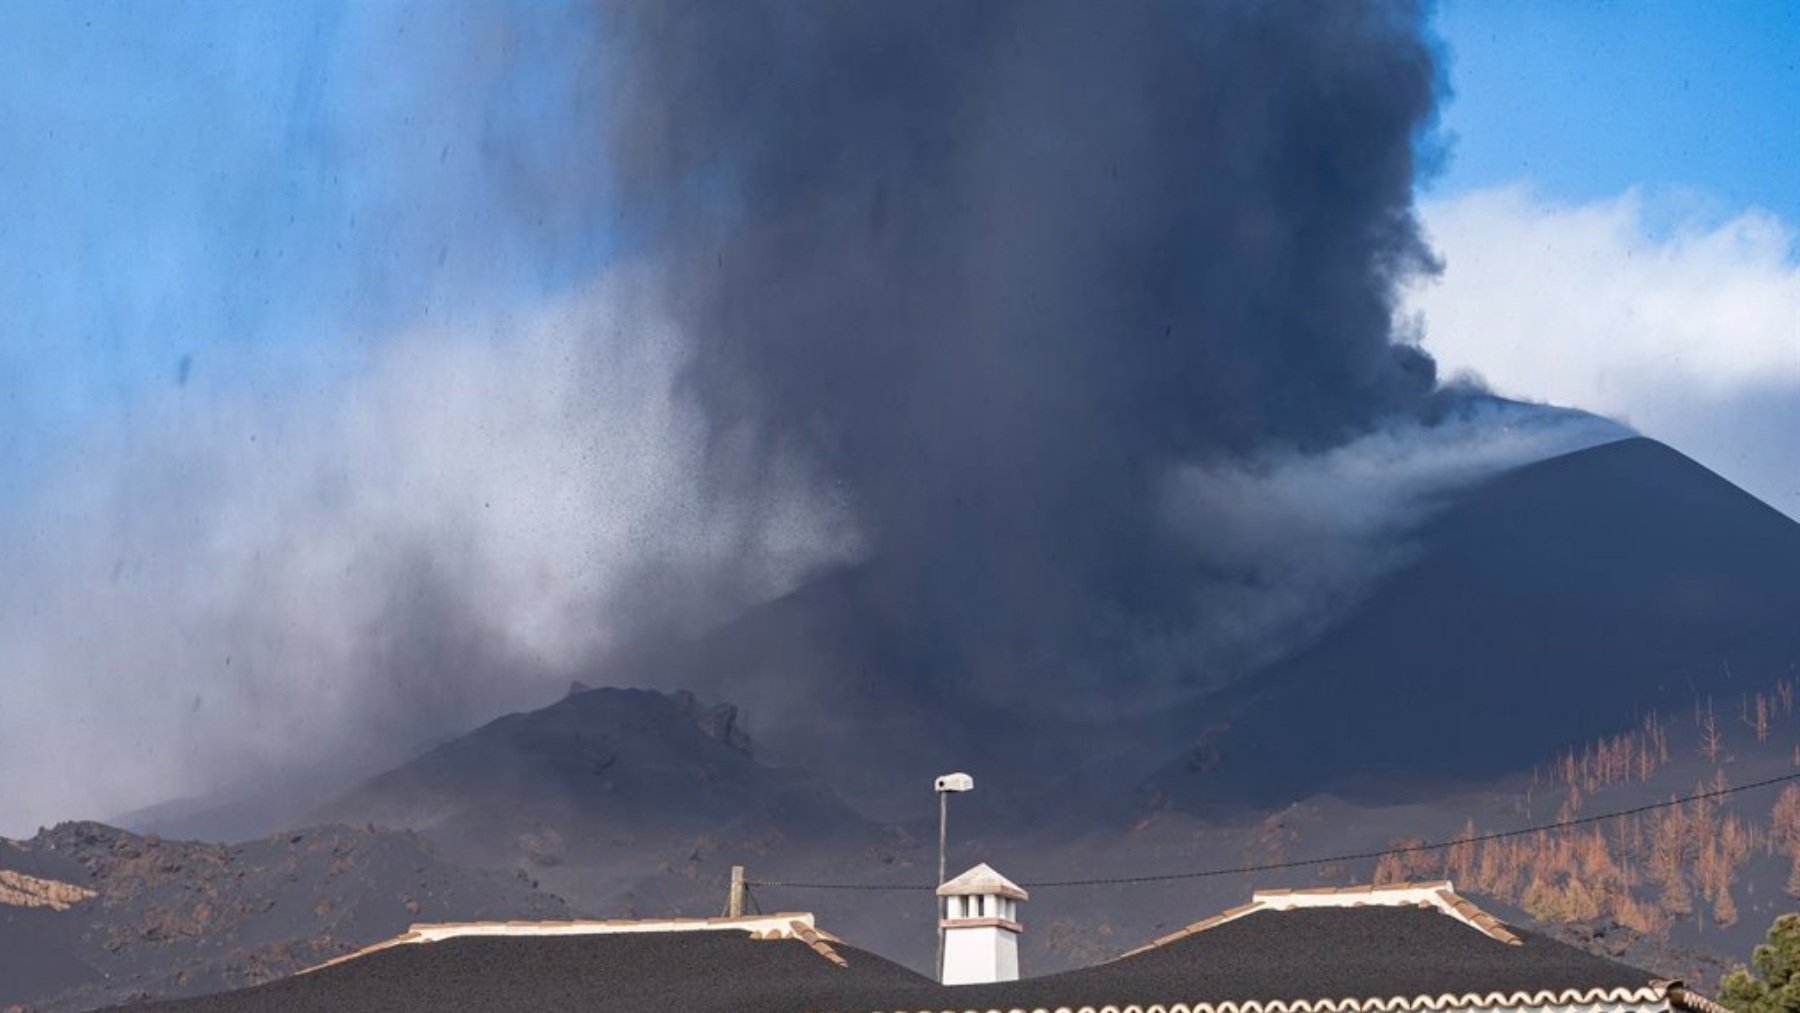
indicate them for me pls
(447, 537)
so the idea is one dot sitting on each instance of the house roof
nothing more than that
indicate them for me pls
(788, 925)
(702, 966)
(1409, 946)
(982, 880)
(1439, 894)
(1393, 949)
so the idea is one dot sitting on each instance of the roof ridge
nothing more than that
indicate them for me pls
(1229, 914)
(814, 940)
(1439, 894)
(620, 924)
(782, 925)
(1393, 887)
(399, 940)
(1466, 910)
(1686, 998)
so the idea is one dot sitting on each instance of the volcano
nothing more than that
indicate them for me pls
(591, 793)
(1553, 604)
(1549, 604)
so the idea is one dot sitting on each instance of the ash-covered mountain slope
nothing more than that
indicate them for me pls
(839, 677)
(1545, 607)
(603, 775)
(90, 914)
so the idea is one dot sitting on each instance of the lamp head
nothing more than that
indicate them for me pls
(954, 782)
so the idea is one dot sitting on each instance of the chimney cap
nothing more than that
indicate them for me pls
(983, 881)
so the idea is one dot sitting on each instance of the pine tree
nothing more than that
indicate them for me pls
(1774, 987)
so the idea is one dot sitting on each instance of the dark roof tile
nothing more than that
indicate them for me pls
(1357, 953)
(692, 972)
(1401, 957)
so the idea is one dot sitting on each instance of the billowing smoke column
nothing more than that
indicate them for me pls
(997, 268)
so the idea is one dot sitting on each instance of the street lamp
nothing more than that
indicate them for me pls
(944, 786)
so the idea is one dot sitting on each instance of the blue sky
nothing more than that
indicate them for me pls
(1589, 98)
(237, 195)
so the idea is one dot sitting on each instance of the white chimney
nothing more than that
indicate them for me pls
(981, 927)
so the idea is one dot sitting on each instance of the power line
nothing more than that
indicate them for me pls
(1309, 862)
(1435, 846)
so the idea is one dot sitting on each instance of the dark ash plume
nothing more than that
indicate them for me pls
(997, 268)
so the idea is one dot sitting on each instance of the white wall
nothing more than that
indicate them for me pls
(975, 955)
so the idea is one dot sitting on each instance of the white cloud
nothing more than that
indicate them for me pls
(1644, 307)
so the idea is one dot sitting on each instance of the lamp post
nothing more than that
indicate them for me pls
(944, 786)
